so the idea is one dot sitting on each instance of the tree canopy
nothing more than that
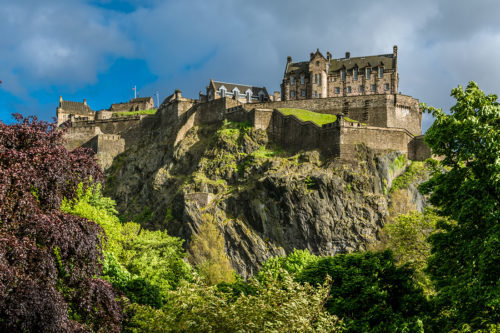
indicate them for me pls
(465, 261)
(49, 260)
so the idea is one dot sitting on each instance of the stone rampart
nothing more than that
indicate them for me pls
(419, 150)
(380, 110)
(106, 147)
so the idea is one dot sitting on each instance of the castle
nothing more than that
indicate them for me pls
(361, 92)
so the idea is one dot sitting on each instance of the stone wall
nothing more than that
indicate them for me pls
(110, 126)
(77, 136)
(377, 138)
(376, 110)
(106, 147)
(419, 150)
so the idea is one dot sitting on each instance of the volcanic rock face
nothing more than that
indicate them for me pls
(266, 201)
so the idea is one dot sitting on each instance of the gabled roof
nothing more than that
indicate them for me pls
(241, 87)
(385, 60)
(74, 106)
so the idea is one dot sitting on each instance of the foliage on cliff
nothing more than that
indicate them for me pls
(465, 261)
(141, 263)
(207, 253)
(49, 260)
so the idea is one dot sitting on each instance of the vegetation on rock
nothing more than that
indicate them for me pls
(305, 115)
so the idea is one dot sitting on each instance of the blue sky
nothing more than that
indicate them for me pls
(101, 49)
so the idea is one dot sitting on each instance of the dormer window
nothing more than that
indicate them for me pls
(380, 72)
(261, 96)
(222, 91)
(368, 72)
(236, 92)
(248, 95)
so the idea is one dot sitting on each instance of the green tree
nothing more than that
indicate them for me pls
(369, 292)
(143, 264)
(292, 263)
(277, 305)
(206, 252)
(465, 262)
(407, 238)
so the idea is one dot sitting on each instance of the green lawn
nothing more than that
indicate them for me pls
(133, 113)
(305, 115)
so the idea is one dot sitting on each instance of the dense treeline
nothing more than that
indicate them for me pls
(67, 263)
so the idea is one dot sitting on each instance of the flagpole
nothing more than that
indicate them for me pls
(135, 91)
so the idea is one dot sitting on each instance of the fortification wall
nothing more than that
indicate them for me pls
(78, 136)
(106, 147)
(110, 126)
(380, 110)
(419, 150)
(377, 138)
(405, 113)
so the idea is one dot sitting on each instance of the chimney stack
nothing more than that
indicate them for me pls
(347, 55)
(328, 55)
(177, 94)
(84, 101)
(395, 51)
(60, 100)
(288, 59)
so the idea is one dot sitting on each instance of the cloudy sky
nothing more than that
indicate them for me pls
(101, 49)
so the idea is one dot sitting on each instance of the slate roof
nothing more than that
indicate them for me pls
(74, 106)
(385, 60)
(241, 87)
(297, 67)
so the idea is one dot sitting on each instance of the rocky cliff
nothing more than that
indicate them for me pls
(266, 200)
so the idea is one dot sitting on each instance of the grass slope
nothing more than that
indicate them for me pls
(305, 115)
(133, 113)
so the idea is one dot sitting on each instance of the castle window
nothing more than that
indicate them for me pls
(342, 75)
(368, 73)
(349, 89)
(292, 80)
(374, 87)
(315, 94)
(302, 79)
(387, 86)
(292, 94)
(355, 74)
(319, 95)
(317, 63)
(334, 79)
(319, 76)
(380, 72)
(303, 93)
(337, 90)
(361, 89)
(315, 78)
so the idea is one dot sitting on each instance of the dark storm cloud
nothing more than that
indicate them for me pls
(185, 43)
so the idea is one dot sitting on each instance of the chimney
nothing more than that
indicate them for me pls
(311, 55)
(395, 51)
(60, 100)
(177, 94)
(347, 55)
(328, 55)
(84, 101)
(288, 59)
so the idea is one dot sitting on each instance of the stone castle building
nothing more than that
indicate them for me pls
(135, 104)
(362, 92)
(240, 92)
(322, 77)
